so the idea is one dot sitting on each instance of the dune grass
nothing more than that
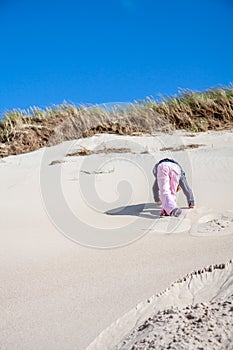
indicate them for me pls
(27, 130)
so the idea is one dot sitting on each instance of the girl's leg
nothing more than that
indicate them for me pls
(166, 183)
(174, 182)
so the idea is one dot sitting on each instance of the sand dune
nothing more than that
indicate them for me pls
(82, 242)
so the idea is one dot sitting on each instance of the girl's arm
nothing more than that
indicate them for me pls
(155, 190)
(187, 190)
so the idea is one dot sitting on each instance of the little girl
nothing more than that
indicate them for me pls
(169, 178)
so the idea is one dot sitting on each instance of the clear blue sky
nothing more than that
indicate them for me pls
(111, 50)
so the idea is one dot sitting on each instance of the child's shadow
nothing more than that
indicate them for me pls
(144, 210)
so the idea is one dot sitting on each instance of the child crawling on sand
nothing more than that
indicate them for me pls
(169, 179)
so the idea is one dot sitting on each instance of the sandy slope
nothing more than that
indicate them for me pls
(56, 294)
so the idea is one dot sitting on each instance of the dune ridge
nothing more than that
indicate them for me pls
(202, 326)
(206, 285)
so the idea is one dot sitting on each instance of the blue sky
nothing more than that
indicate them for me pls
(111, 50)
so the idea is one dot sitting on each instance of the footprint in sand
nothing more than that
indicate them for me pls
(212, 223)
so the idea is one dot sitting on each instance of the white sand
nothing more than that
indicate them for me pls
(56, 294)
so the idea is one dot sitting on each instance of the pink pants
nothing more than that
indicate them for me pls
(168, 175)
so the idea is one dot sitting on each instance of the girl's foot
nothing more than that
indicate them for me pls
(163, 213)
(176, 212)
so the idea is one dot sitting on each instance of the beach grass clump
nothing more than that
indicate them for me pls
(199, 111)
(27, 130)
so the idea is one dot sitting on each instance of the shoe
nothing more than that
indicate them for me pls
(176, 212)
(163, 213)
(191, 206)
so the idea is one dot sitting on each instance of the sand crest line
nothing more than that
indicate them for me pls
(203, 285)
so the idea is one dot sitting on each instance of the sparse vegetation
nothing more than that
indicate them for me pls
(106, 150)
(182, 147)
(23, 131)
(86, 152)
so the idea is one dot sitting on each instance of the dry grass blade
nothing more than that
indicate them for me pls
(96, 172)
